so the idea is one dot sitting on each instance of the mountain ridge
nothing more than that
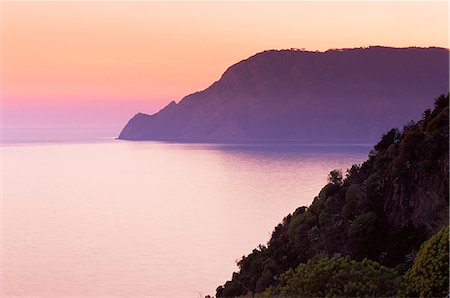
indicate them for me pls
(340, 95)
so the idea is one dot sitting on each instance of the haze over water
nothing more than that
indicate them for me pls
(159, 219)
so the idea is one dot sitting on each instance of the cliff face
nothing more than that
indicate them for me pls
(419, 173)
(333, 96)
(422, 203)
(382, 210)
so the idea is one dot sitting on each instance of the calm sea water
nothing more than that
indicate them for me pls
(119, 218)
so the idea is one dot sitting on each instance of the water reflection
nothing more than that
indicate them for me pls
(148, 218)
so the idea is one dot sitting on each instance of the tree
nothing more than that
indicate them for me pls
(335, 177)
(391, 137)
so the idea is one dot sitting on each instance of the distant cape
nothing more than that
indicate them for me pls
(340, 95)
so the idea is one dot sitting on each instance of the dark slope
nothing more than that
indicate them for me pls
(383, 210)
(333, 96)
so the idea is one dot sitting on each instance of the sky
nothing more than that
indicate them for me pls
(96, 64)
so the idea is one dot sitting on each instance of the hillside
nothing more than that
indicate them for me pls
(382, 210)
(348, 95)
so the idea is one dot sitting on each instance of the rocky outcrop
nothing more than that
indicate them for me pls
(419, 195)
(349, 95)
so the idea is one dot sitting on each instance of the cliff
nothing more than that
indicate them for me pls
(349, 95)
(383, 209)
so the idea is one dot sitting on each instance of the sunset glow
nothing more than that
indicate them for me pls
(98, 63)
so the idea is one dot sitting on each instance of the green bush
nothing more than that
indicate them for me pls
(342, 277)
(429, 276)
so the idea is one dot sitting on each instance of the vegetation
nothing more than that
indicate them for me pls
(341, 277)
(382, 211)
(428, 277)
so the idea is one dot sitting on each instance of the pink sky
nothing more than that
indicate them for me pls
(99, 63)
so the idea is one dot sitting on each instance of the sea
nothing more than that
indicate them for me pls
(100, 217)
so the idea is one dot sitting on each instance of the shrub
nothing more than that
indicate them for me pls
(429, 276)
(342, 277)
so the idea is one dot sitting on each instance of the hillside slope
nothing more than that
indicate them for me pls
(382, 210)
(350, 95)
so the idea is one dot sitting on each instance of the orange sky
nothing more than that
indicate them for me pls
(141, 55)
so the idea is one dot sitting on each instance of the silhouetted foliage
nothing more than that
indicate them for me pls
(383, 210)
(335, 177)
(392, 137)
